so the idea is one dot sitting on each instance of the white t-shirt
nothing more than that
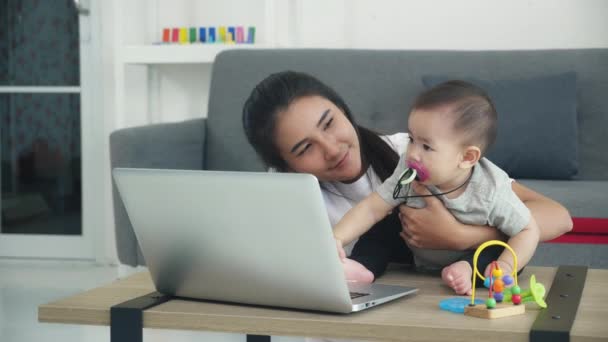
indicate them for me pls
(340, 197)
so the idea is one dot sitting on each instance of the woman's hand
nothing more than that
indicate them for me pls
(431, 227)
(434, 227)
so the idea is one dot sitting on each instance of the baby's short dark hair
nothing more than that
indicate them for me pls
(474, 113)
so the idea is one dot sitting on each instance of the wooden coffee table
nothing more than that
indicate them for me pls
(416, 318)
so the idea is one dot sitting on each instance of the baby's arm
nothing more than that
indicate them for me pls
(361, 218)
(523, 244)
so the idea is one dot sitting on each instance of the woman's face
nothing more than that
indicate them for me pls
(314, 136)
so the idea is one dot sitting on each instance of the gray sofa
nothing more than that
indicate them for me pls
(378, 85)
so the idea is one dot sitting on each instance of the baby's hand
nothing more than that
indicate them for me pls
(341, 252)
(505, 267)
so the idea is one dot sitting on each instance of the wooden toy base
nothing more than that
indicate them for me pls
(501, 310)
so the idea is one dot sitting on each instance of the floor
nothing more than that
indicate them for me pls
(26, 284)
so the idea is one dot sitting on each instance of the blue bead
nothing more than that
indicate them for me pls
(508, 280)
(486, 282)
(498, 296)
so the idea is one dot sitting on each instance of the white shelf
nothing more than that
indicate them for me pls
(178, 54)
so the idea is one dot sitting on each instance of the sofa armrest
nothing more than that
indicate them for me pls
(159, 146)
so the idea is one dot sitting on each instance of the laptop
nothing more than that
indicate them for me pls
(243, 237)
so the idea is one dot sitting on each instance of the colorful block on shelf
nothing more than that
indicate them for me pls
(202, 35)
(166, 35)
(183, 35)
(251, 35)
(239, 35)
(231, 35)
(192, 35)
(211, 36)
(221, 34)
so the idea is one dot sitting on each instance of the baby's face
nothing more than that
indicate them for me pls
(435, 147)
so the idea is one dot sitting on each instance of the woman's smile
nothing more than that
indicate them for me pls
(342, 162)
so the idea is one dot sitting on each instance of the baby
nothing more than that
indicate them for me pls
(450, 128)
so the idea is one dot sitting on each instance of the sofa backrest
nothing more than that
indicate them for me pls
(378, 86)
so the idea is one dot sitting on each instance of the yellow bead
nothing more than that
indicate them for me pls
(497, 273)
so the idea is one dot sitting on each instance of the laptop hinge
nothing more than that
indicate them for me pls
(126, 318)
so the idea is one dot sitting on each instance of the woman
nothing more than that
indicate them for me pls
(298, 124)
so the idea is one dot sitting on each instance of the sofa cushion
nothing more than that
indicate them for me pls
(581, 198)
(542, 110)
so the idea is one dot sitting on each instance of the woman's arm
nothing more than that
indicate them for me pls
(435, 227)
(361, 218)
(552, 218)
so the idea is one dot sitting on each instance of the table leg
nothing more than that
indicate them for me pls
(553, 324)
(126, 319)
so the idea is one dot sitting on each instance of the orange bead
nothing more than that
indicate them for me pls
(498, 287)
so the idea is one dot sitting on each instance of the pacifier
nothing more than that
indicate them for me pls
(420, 172)
(413, 171)
(407, 176)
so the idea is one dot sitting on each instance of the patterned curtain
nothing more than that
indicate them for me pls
(39, 133)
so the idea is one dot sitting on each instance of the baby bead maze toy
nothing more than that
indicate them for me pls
(495, 306)
(535, 293)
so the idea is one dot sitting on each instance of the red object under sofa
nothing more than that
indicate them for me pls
(586, 230)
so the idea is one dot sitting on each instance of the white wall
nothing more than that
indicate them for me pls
(181, 90)
(454, 25)
(383, 24)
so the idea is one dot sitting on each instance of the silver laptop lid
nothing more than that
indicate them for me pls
(245, 237)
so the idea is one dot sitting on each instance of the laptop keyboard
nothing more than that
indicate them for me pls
(354, 295)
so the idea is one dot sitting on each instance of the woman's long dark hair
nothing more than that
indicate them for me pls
(276, 92)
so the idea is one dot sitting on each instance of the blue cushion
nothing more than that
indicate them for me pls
(537, 124)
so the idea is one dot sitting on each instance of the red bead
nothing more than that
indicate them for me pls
(516, 299)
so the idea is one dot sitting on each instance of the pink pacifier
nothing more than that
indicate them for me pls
(421, 173)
